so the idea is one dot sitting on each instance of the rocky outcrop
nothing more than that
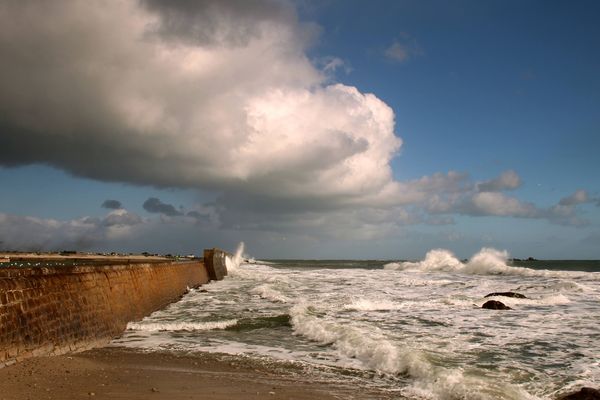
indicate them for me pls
(582, 394)
(495, 305)
(507, 294)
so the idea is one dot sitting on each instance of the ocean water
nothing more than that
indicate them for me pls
(414, 329)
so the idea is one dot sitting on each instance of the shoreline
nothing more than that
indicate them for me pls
(123, 373)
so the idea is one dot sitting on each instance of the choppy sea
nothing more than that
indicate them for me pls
(414, 329)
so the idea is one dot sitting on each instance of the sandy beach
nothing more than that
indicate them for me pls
(117, 373)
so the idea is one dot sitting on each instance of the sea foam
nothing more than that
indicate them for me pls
(180, 326)
(370, 346)
(363, 304)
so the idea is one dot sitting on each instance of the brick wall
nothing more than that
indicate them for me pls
(60, 309)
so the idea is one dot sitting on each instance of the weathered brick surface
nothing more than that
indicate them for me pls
(57, 310)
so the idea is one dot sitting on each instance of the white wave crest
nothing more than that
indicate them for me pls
(180, 326)
(269, 293)
(372, 349)
(487, 261)
(435, 260)
(363, 304)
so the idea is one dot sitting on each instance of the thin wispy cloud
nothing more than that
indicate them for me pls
(403, 49)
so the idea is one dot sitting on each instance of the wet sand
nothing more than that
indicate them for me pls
(117, 373)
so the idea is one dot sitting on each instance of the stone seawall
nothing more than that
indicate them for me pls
(216, 264)
(54, 310)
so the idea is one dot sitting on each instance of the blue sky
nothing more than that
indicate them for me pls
(478, 90)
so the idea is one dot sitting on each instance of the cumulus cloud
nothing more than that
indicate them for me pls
(508, 180)
(154, 205)
(499, 204)
(121, 218)
(186, 94)
(579, 197)
(112, 204)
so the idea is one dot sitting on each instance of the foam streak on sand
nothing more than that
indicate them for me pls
(180, 326)
(414, 328)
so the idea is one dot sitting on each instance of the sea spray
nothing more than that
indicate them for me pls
(487, 261)
(233, 262)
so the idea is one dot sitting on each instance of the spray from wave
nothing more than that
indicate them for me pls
(487, 261)
(233, 262)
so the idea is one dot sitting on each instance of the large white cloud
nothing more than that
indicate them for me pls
(220, 96)
(185, 95)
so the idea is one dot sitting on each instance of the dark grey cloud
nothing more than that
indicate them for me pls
(112, 204)
(154, 205)
(217, 22)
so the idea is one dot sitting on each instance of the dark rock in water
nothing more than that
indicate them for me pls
(507, 294)
(495, 305)
(582, 394)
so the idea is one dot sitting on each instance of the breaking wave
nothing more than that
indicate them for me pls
(375, 351)
(487, 261)
(269, 293)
